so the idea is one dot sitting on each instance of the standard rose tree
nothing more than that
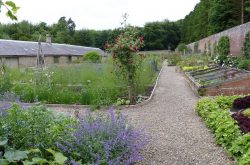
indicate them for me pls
(124, 51)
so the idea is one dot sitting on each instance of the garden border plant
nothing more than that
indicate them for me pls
(85, 83)
(215, 113)
(98, 139)
(223, 49)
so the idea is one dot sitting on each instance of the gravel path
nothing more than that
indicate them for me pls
(179, 137)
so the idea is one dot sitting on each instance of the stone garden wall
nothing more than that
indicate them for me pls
(236, 36)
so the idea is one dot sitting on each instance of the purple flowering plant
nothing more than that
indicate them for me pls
(104, 140)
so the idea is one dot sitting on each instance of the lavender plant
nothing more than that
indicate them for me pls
(104, 140)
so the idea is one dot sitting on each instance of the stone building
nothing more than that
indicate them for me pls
(24, 53)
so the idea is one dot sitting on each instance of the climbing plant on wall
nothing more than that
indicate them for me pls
(246, 46)
(223, 49)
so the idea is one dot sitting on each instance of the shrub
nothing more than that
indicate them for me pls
(173, 59)
(243, 63)
(92, 56)
(224, 46)
(246, 46)
(35, 127)
(102, 140)
(181, 47)
(223, 50)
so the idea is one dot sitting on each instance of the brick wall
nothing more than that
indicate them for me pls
(236, 36)
(239, 87)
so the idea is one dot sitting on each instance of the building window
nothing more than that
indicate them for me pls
(69, 59)
(56, 60)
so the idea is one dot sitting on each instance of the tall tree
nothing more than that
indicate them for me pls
(161, 35)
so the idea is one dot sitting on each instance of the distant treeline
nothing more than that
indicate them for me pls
(157, 35)
(208, 17)
(213, 16)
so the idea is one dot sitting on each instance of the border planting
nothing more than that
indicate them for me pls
(216, 115)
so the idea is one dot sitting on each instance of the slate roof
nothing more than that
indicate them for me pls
(28, 48)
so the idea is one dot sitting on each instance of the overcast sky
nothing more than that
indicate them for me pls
(102, 14)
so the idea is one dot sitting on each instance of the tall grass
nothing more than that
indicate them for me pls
(85, 83)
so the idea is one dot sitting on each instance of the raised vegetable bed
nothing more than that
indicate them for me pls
(217, 80)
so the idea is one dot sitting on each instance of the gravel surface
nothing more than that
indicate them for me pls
(178, 134)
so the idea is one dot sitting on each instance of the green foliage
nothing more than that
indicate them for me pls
(241, 146)
(246, 46)
(30, 157)
(92, 56)
(5, 82)
(243, 63)
(194, 25)
(11, 9)
(194, 60)
(59, 158)
(216, 116)
(247, 112)
(224, 46)
(181, 47)
(174, 59)
(212, 16)
(15, 155)
(223, 15)
(85, 83)
(193, 68)
(245, 160)
(223, 50)
(161, 35)
(227, 130)
(124, 52)
(214, 112)
(35, 127)
(158, 35)
(121, 101)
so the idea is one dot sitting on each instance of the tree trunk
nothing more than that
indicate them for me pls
(131, 93)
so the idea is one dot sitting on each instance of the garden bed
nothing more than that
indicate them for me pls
(217, 80)
(81, 84)
(45, 137)
(228, 129)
